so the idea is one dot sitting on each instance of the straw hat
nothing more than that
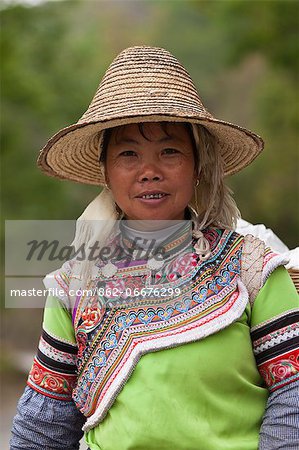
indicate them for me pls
(143, 84)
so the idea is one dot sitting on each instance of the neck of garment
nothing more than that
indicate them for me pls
(145, 239)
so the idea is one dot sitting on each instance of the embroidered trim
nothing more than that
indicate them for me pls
(271, 262)
(281, 370)
(142, 345)
(272, 339)
(276, 348)
(271, 321)
(49, 383)
(113, 335)
(56, 354)
(54, 369)
(212, 297)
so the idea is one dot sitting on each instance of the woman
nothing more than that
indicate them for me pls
(175, 332)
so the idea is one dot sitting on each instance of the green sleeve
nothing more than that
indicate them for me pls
(277, 296)
(58, 321)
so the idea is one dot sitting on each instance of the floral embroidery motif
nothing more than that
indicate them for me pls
(275, 345)
(124, 285)
(54, 370)
(91, 316)
(50, 383)
(183, 264)
(281, 370)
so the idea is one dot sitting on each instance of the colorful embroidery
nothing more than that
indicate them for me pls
(281, 370)
(50, 383)
(278, 336)
(114, 331)
(210, 299)
(57, 355)
(276, 347)
(54, 370)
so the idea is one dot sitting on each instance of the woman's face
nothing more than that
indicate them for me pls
(151, 177)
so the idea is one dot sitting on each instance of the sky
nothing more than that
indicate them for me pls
(22, 2)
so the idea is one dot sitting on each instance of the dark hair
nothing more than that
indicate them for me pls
(164, 126)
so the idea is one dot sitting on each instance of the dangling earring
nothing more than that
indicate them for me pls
(195, 195)
(120, 213)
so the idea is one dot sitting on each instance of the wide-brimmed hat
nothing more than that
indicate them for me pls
(142, 84)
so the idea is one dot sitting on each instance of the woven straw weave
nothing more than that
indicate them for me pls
(143, 84)
(252, 265)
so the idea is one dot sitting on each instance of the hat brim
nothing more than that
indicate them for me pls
(73, 152)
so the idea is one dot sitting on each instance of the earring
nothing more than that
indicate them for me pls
(119, 212)
(195, 195)
(107, 187)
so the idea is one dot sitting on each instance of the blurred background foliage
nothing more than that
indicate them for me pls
(242, 55)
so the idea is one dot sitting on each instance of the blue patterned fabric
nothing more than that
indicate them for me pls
(46, 423)
(280, 427)
(43, 422)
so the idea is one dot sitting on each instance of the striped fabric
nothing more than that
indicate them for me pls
(276, 349)
(54, 370)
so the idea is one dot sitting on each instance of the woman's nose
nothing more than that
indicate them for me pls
(150, 172)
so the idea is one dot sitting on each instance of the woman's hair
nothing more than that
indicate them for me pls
(142, 131)
(212, 200)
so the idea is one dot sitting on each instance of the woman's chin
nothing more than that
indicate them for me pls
(150, 210)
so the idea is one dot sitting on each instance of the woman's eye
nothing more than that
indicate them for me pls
(170, 151)
(128, 153)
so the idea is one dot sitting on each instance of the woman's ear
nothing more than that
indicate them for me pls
(107, 183)
(196, 177)
(105, 175)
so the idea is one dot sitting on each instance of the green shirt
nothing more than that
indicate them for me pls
(202, 395)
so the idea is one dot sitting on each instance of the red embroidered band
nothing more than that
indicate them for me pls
(276, 348)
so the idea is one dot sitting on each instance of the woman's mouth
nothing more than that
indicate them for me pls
(152, 197)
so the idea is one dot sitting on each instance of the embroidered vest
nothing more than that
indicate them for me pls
(138, 310)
